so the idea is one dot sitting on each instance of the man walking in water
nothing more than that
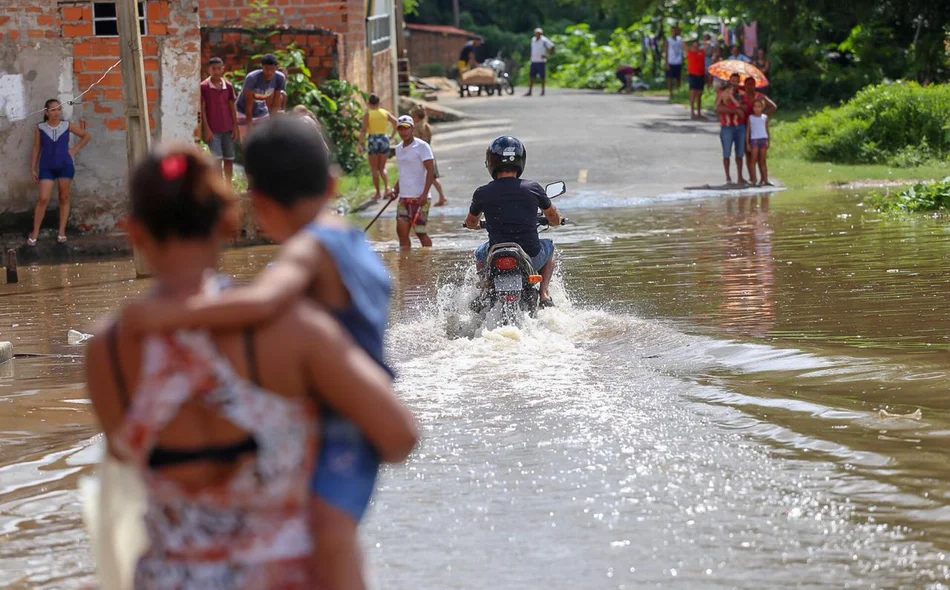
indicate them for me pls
(673, 57)
(416, 174)
(541, 48)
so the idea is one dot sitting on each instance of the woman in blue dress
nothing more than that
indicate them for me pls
(52, 162)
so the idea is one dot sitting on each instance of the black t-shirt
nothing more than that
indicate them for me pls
(467, 50)
(511, 208)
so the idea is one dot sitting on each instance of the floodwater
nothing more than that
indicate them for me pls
(702, 409)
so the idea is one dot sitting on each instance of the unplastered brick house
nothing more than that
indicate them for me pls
(350, 39)
(58, 49)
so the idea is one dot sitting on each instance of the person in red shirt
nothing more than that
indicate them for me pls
(732, 121)
(696, 71)
(219, 127)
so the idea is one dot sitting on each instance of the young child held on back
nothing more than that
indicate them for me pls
(423, 131)
(757, 142)
(329, 261)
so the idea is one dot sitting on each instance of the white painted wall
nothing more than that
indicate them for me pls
(179, 92)
(12, 97)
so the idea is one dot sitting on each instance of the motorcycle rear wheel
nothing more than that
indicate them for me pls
(509, 86)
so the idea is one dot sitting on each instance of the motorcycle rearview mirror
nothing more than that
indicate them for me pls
(555, 189)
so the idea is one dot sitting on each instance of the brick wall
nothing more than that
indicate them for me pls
(347, 18)
(427, 48)
(69, 60)
(233, 45)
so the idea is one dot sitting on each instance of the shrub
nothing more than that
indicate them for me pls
(899, 123)
(921, 197)
(433, 69)
(342, 123)
(581, 61)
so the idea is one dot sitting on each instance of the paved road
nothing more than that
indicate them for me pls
(628, 146)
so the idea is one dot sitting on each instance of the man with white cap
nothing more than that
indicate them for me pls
(541, 48)
(416, 174)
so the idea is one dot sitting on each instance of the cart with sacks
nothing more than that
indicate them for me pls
(477, 79)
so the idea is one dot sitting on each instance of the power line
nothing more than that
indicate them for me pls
(75, 99)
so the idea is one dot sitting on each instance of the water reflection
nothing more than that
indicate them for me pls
(747, 267)
(703, 401)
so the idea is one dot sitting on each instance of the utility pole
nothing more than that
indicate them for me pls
(456, 16)
(133, 85)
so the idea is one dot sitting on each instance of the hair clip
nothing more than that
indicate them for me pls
(173, 166)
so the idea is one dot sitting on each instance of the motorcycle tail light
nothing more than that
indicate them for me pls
(506, 263)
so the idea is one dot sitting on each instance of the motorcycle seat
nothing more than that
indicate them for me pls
(512, 246)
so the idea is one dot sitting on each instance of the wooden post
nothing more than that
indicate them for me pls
(456, 15)
(395, 33)
(133, 85)
(11, 267)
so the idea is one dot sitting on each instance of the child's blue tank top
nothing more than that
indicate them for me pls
(367, 282)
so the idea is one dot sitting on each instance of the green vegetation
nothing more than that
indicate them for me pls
(822, 52)
(918, 198)
(903, 125)
(581, 62)
(354, 189)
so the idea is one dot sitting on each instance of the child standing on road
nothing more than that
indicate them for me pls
(379, 124)
(757, 140)
(423, 131)
(52, 162)
(219, 127)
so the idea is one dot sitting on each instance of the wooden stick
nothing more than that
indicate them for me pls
(366, 229)
(11, 267)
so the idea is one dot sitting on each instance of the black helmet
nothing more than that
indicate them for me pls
(506, 153)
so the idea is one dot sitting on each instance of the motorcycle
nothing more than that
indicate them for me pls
(507, 279)
(501, 70)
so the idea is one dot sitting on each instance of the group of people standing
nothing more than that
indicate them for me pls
(744, 127)
(743, 108)
(698, 58)
(225, 119)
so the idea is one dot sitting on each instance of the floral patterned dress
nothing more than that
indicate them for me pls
(249, 531)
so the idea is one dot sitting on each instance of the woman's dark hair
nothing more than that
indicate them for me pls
(373, 99)
(176, 193)
(46, 108)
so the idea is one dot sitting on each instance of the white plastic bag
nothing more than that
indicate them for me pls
(113, 509)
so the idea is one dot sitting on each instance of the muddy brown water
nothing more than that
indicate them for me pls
(702, 409)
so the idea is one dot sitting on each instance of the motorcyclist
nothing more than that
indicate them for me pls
(510, 206)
